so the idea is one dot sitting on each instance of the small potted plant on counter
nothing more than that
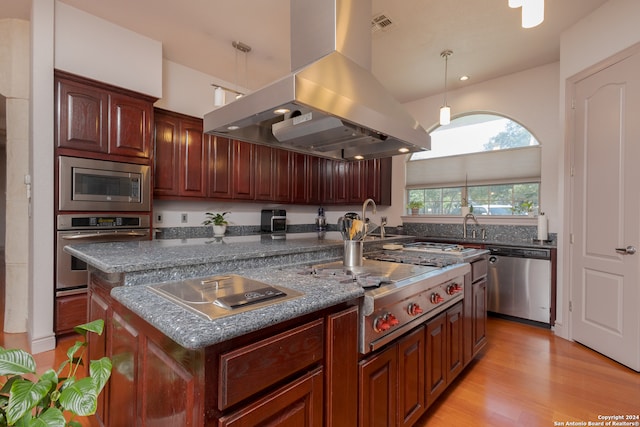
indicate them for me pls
(415, 206)
(218, 221)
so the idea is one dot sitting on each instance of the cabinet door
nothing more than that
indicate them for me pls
(264, 172)
(97, 348)
(298, 404)
(455, 342)
(315, 177)
(220, 167)
(411, 377)
(436, 357)
(356, 185)
(341, 182)
(378, 384)
(166, 159)
(82, 117)
(300, 177)
(243, 170)
(164, 378)
(341, 356)
(123, 384)
(131, 120)
(193, 154)
(479, 323)
(328, 185)
(281, 175)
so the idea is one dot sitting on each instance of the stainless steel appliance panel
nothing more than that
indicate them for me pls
(99, 185)
(71, 273)
(520, 286)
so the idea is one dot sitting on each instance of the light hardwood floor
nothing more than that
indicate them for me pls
(525, 377)
(528, 377)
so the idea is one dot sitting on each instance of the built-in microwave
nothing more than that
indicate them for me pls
(100, 185)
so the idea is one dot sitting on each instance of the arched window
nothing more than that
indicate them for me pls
(486, 161)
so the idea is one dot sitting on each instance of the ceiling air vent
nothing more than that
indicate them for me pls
(381, 22)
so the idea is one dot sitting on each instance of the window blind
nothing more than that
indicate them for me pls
(508, 166)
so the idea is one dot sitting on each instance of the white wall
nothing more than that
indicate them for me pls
(40, 328)
(92, 47)
(529, 97)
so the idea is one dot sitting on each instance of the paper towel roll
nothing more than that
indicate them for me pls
(543, 233)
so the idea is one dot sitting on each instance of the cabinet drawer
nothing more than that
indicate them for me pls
(250, 369)
(71, 311)
(479, 269)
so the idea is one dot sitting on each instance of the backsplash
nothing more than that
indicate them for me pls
(494, 233)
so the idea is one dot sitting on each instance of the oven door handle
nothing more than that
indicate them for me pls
(114, 234)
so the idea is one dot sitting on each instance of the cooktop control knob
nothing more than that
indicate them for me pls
(393, 320)
(454, 289)
(414, 309)
(436, 298)
(381, 323)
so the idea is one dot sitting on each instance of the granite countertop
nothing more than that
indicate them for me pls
(193, 331)
(138, 265)
(125, 257)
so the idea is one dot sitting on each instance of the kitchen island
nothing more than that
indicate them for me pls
(295, 361)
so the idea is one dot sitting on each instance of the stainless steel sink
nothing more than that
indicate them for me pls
(218, 296)
(376, 236)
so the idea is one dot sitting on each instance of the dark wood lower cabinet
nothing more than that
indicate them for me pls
(297, 373)
(378, 384)
(399, 382)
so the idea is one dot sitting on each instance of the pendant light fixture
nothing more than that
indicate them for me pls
(445, 110)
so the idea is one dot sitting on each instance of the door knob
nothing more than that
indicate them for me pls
(629, 250)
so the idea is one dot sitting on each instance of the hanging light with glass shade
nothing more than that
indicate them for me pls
(445, 110)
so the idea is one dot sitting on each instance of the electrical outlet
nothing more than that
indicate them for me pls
(184, 218)
(159, 218)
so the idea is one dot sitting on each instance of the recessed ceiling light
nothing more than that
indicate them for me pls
(281, 111)
(403, 150)
(358, 157)
(464, 78)
(233, 127)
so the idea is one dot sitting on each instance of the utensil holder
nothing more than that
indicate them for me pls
(353, 253)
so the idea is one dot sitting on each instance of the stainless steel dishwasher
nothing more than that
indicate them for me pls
(520, 282)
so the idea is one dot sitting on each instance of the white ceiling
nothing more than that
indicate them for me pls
(485, 36)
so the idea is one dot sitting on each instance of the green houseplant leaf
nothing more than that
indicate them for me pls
(81, 397)
(24, 403)
(15, 362)
(25, 395)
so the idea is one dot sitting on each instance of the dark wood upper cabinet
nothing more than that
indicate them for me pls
(181, 155)
(166, 158)
(191, 164)
(220, 167)
(97, 118)
(243, 171)
(82, 115)
(131, 120)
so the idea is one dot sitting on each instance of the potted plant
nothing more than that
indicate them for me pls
(43, 402)
(218, 221)
(415, 206)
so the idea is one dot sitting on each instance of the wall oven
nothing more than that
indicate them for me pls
(100, 185)
(71, 273)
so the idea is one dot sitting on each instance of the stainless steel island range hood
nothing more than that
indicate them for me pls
(330, 105)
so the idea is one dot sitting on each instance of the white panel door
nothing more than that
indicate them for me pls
(605, 295)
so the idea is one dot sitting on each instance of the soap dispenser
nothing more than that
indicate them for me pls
(321, 220)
